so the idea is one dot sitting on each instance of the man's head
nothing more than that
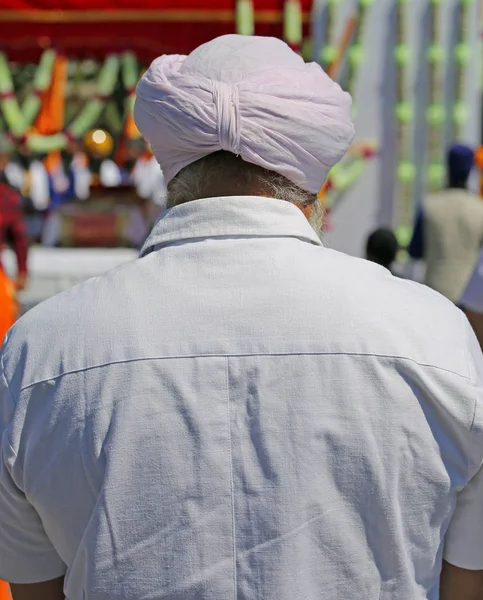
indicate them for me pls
(461, 160)
(243, 116)
(382, 247)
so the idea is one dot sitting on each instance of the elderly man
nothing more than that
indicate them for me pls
(242, 413)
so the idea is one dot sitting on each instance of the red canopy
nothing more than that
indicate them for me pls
(148, 27)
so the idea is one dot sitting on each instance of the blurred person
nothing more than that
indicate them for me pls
(472, 299)
(448, 231)
(35, 185)
(145, 173)
(62, 179)
(10, 172)
(242, 412)
(12, 232)
(382, 248)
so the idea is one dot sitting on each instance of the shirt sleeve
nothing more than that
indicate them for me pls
(464, 538)
(472, 298)
(26, 553)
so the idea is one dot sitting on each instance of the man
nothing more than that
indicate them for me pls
(12, 232)
(448, 232)
(382, 247)
(242, 413)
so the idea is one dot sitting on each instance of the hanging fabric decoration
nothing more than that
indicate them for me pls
(10, 108)
(436, 113)
(19, 119)
(355, 55)
(245, 18)
(87, 117)
(462, 57)
(130, 76)
(293, 24)
(329, 50)
(42, 80)
(51, 117)
(404, 114)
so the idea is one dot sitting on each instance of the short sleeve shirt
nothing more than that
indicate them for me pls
(239, 413)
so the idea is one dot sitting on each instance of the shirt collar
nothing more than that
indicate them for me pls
(233, 216)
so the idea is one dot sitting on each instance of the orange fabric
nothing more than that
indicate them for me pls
(8, 315)
(479, 164)
(5, 591)
(51, 116)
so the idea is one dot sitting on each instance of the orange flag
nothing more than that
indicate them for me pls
(51, 116)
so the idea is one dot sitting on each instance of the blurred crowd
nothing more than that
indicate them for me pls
(88, 169)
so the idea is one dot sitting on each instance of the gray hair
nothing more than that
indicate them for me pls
(229, 175)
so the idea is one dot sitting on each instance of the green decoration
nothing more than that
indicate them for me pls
(245, 18)
(404, 112)
(330, 51)
(435, 113)
(436, 175)
(293, 26)
(406, 172)
(404, 235)
(42, 81)
(402, 55)
(87, 117)
(10, 108)
(329, 54)
(404, 116)
(462, 57)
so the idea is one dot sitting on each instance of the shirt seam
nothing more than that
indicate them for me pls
(232, 483)
(239, 354)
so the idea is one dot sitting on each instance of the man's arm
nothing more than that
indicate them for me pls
(47, 590)
(476, 321)
(459, 584)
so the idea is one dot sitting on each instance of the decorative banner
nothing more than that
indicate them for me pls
(10, 108)
(88, 116)
(42, 81)
(436, 113)
(406, 170)
(462, 58)
(18, 120)
(245, 17)
(293, 24)
(130, 76)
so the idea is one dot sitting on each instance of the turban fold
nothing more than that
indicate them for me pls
(252, 96)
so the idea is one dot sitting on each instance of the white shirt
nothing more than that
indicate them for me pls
(240, 413)
(472, 298)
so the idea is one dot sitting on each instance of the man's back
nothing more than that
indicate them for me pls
(453, 233)
(240, 413)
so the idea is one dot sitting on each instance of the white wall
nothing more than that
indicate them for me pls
(369, 204)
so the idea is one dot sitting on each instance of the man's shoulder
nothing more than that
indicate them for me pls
(401, 317)
(71, 325)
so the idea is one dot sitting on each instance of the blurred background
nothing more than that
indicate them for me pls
(89, 185)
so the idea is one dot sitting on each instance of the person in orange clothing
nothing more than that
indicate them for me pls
(13, 233)
(5, 591)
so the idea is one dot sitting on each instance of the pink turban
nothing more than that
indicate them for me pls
(251, 96)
